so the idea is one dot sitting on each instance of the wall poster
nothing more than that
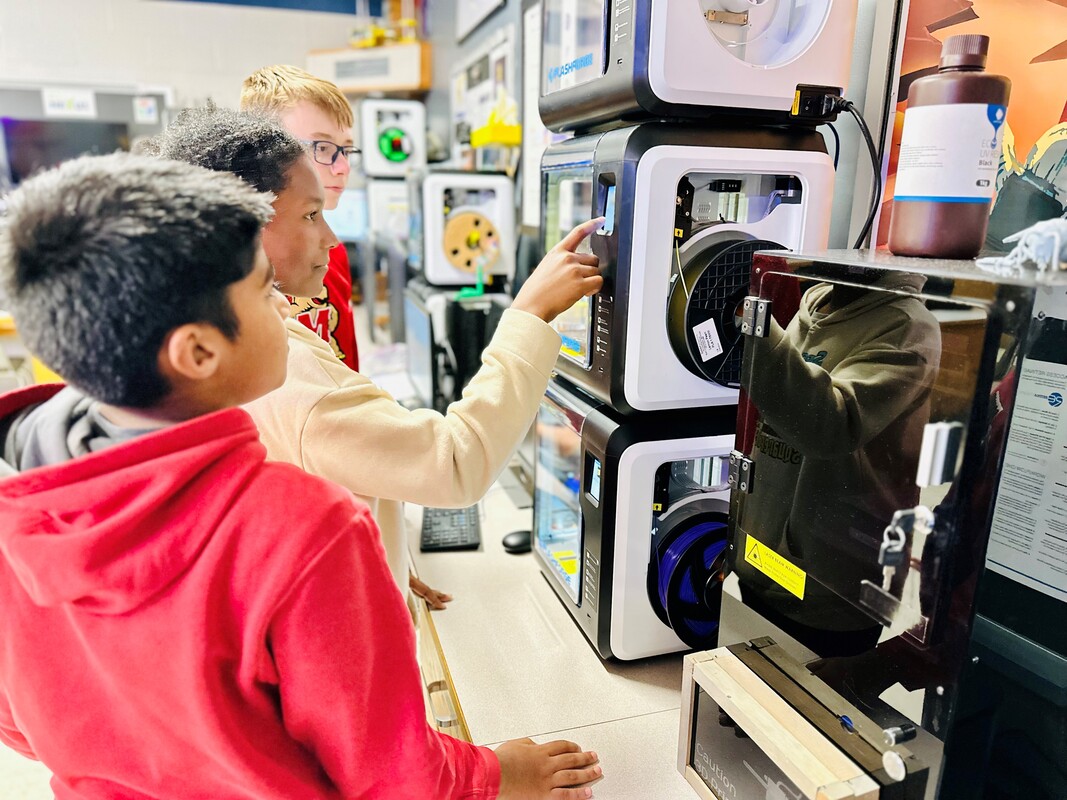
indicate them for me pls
(1028, 44)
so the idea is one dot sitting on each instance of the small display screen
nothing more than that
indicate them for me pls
(574, 45)
(567, 202)
(609, 212)
(594, 479)
(557, 509)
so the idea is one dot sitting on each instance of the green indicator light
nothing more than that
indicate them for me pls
(394, 144)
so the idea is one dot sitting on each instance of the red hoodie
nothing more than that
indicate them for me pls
(182, 619)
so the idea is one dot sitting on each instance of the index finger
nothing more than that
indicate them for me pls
(561, 746)
(578, 234)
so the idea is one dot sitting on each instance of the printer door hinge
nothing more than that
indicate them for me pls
(755, 316)
(742, 471)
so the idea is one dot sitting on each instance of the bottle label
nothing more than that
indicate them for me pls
(950, 153)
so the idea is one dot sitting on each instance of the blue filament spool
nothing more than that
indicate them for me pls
(685, 575)
(689, 582)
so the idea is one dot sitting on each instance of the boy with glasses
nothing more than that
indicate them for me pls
(317, 113)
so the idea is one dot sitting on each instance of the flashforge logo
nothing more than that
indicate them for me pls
(1055, 399)
(580, 63)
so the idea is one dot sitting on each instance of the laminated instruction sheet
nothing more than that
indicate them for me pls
(1028, 541)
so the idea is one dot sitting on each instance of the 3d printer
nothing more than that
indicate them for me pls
(686, 209)
(894, 624)
(764, 60)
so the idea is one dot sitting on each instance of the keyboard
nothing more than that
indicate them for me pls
(450, 529)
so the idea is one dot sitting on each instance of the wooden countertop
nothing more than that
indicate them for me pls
(521, 666)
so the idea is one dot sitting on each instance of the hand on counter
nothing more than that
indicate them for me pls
(435, 598)
(563, 277)
(552, 771)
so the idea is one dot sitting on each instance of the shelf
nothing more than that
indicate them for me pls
(395, 69)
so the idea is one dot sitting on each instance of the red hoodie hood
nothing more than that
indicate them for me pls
(109, 531)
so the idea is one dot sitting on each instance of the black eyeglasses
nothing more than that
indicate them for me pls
(325, 152)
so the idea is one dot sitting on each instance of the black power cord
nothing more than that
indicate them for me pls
(815, 104)
(837, 143)
(841, 104)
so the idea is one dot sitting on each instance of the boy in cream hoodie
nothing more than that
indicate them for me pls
(338, 424)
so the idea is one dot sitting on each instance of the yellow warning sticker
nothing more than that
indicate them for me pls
(780, 570)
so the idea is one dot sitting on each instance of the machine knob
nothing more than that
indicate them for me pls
(899, 735)
(894, 765)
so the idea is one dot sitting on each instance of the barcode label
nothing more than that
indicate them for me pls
(708, 343)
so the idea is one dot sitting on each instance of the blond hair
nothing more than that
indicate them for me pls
(280, 87)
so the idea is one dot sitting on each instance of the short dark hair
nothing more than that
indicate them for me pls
(252, 146)
(103, 256)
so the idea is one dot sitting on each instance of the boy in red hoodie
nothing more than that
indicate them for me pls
(158, 639)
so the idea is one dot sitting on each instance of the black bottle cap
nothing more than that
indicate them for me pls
(964, 50)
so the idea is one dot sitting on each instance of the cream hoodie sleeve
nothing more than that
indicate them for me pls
(337, 424)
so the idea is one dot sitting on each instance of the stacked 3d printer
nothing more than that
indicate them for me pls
(695, 137)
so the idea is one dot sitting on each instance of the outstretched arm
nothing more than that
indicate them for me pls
(359, 437)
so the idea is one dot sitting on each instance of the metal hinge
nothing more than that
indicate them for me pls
(727, 17)
(755, 314)
(742, 470)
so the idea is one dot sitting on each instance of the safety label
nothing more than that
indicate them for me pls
(780, 570)
(708, 342)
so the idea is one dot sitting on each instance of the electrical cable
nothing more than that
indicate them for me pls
(681, 276)
(837, 143)
(876, 167)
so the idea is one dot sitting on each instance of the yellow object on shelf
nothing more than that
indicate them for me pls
(496, 134)
(502, 128)
(370, 35)
(408, 30)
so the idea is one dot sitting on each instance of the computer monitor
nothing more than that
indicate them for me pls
(349, 220)
(419, 341)
(32, 145)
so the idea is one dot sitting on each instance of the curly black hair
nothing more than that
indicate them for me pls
(249, 144)
(103, 256)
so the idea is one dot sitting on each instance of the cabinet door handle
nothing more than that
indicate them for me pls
(444, 714)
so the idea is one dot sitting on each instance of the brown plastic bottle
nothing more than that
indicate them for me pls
(949, 151)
